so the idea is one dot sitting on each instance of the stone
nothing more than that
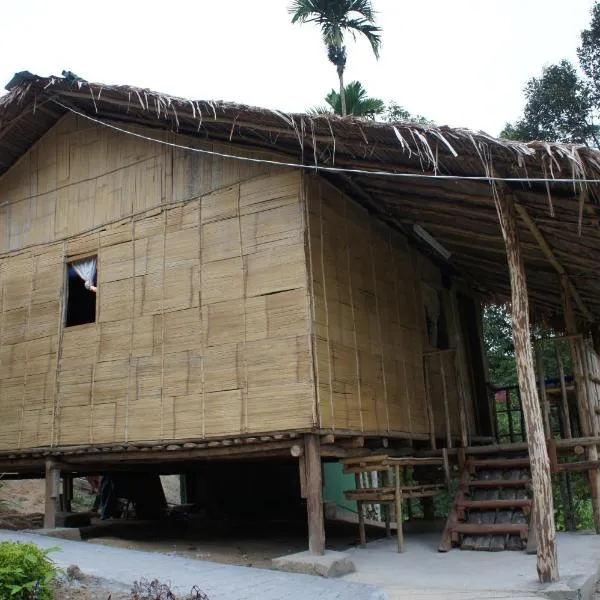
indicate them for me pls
(331, 564)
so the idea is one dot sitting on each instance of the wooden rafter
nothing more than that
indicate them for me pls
(547, 250)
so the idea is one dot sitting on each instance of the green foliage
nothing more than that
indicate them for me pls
(395, 113)
(561, 105)
(26, 572)
(336, 18)
(589, 54)
(357, 102)
(497, 336)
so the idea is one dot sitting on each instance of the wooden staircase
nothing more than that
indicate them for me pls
(492, 506)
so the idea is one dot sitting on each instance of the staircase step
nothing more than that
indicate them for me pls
(497, 463)
(523, 503)
(492, 483)
(521, 529)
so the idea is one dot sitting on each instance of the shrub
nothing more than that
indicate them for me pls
(26, 572)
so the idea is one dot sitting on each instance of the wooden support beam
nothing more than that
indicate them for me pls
(462, 369)
(587, 421)
(545, 405)
(67, 481)
(314, 494)
(547, 563)
(302, 475)
(52, 493)
(547, 250)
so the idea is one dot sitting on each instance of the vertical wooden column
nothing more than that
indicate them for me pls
(51, 494)
(314, 494)
(547, 563)
(67, 485)
(461, 368)
(587, 422)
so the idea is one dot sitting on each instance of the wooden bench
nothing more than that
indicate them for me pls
(392, 491)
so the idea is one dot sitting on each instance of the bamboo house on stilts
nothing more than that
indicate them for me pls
(202, 287)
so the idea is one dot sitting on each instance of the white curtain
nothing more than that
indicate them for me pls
(86, 269)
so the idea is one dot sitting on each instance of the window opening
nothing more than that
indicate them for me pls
(81, 291)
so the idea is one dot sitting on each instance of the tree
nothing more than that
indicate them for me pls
(559, 108)
(394, 113)
(358, 103)
(337, 18)
(589, 54)
(561, 105)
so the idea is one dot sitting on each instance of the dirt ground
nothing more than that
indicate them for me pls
(242, 543)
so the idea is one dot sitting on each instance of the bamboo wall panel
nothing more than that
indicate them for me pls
(370, 331)
(202, 324)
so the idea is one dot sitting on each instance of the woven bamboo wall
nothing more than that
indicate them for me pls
(370, 330)
(202, 324)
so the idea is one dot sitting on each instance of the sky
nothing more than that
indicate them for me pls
(462, 63)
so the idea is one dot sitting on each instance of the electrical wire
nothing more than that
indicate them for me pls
(315, 167)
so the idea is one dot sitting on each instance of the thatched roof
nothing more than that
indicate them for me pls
(562, 234)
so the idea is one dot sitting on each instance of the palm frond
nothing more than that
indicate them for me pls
(369, 30)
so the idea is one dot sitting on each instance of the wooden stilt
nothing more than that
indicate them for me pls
(361, 513)
(67, 481)
(51, 495)
(302, 475)
(399, 518)
(547, 563)
(314, 494)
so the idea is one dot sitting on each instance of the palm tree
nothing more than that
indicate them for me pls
(357, 102)
(336, 18)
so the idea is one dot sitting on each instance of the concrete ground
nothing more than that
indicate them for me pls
(422, 573)
(219, 582)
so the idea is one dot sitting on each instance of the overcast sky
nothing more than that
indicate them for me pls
(458, 62)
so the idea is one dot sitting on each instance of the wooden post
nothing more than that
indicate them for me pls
(543, 395)
(399, 518)
(565, 411)
(361, 512)
(445, 399)
(314, 494)
(547, 563)
(52, 493)
(429, 400)
(67, 481)
(302, 475)
(587, 421)
(461, 369)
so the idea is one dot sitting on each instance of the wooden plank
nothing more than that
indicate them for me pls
(583, 465)
(497, 448)
(547, 562)
(491, 529)
(314, 495)
(497, 463)
(499, 483)
(500, 504)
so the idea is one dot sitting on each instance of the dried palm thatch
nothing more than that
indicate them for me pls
(381, 166)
